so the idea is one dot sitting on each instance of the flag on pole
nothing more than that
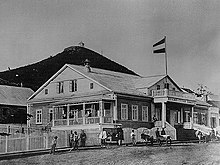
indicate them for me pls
(161, 50)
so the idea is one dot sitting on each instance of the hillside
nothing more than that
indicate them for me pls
(34, 75)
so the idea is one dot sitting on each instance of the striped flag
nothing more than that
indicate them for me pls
(161, 50)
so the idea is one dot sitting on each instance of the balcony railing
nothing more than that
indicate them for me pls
(178, 94)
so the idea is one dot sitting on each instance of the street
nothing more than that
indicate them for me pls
(192, 153)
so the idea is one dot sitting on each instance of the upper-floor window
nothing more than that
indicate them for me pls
(124, 111)
(60, 87)
(73, 85)
(134, 112)
(144, 113)
(91, 86)
(46, 91)
(39, 116)
(158, 87)
(166, 85)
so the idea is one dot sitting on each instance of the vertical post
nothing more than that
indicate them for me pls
(6, 142)
(101, 111)
(163, 114)
(83, 113)
(53, 115)
(191, 119)
(181, 115)
(115, 111)
(67, 113)
(165, 56)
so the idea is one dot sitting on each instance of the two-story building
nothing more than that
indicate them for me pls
(81, 97)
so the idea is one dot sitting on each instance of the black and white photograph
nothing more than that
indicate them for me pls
(110, 82)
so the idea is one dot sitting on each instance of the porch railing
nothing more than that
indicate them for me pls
(166, 92)
(108, 119)
(92, 120)
(58, 122)
(78, 121)
(75, 121)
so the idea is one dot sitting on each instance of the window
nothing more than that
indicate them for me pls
(166, 85)
(195, 117)
(158, 87)
(60, 87)
(91, 85)
(39, 116)
(134, 112)
(46, 91)
(73, 86)
(51, 114)
(144, 113)
(107, 109)
(124, 111)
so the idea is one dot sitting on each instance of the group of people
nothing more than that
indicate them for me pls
(74, 141)
(204, 137)
(117, 135)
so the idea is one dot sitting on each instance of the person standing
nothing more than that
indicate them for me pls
(53, 145)
(75, 141)
(103, 137)
(71, 139)
(83, 138)
(133, 139)
(120, 135)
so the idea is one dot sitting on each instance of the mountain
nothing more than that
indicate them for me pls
(35, 75)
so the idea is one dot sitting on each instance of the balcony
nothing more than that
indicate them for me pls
(172, 95)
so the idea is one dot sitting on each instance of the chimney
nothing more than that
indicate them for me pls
(87, 65)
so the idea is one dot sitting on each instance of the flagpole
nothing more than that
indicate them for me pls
(165, 57)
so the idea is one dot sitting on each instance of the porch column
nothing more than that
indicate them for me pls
(163, 114)
(53, 116)
(115, 111)
(191, 119)
(68, 114)
(83, 113)
(181, 114)
(101, 111)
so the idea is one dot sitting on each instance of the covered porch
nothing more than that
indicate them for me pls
(174, 107)
(80, 112)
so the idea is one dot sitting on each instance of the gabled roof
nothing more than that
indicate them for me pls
(10, 95)
(147, 82)
(114, 81)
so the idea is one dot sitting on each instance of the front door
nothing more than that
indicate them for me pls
(174, 117)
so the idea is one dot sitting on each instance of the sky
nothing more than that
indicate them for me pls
(123, 30)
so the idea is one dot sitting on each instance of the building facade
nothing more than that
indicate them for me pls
(81, 97)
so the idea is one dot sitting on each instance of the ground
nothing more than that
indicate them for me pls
(178, 154)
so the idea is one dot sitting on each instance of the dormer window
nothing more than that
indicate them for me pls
(73, 85)
(60, 87)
